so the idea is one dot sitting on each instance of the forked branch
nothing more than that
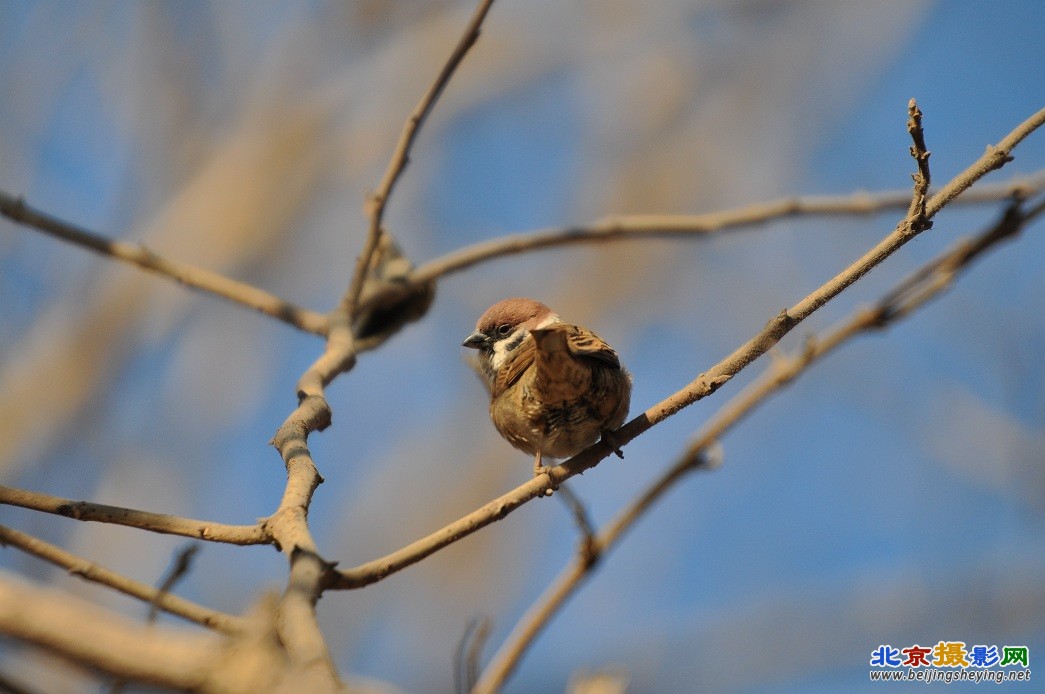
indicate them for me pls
(699, 388)
(927, 283)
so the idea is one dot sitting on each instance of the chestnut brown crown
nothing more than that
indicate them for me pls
(504, 318)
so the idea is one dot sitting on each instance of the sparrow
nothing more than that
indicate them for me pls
(555, 388)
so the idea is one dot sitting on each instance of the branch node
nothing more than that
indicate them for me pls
(716, 382)
(70, 510)
(590, 552)
(389, 299)
(999, 157)
(782, 320)
(714, 456)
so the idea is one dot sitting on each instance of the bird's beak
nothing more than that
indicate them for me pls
(476, 340)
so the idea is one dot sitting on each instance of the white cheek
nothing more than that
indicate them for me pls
(500, 354)
(500, 348)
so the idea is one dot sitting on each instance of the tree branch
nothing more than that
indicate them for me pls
(104, 641)
(296, 616)
(401, 156)
(699, 388)
(89, 571)
(674, 226)
(927, 283)
(144, 520)
(193, 277)
(178, 570)
(252, 661)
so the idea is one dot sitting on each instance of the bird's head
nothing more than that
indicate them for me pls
(504, 327)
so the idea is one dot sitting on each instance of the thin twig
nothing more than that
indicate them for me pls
(922, 177)
(179, 569)
(473, 654)
(704, 385)
(89, 571)
(401, 156)
(548, 604)
(539, 614)
(193, 277)
(588, 547)
(676, 226)
(910, 294)
(462, 681)
(144, 520)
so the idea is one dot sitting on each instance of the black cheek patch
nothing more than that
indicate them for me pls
(516, 341)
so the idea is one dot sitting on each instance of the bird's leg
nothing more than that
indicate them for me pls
(609, 438)
(539, 470)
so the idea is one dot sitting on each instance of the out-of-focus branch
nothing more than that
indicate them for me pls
(105, 641)
(144, 520)
(582, 520)
(468, 654)
(401, 157)
(89, 571)
(677, 226)
(158, 523)
(179, 570)
(197, 278)
(704, 385)
(927, 283)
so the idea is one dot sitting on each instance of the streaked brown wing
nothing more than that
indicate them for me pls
(585, 343)
(515, 367)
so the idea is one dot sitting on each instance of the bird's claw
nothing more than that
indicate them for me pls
(609, 438)
(539, 469)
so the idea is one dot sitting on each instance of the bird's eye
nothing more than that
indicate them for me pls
(504, 330)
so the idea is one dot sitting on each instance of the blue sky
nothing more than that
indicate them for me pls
(891, 495)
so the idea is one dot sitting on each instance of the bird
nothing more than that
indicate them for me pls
(555, 388)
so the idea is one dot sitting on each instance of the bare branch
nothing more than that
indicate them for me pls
(102, 640)
(89, 571)
(928, 282)
(296, 621)
(401, 156)
(674, 226)
(916, 211)
(296, 615)
(468, 654)
(993, 159)
(197, 278)
(699, 388)
(588, 547)
(339, 356)
(144, 520)
(180, 569)
(530, 624)
(251, 661)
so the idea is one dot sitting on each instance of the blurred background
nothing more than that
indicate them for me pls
(892, 495)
